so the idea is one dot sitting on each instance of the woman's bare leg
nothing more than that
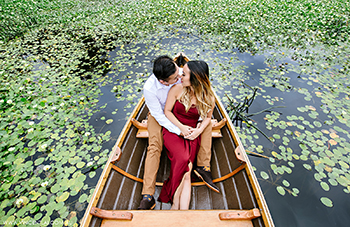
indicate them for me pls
(185, 196)
(177, 194)
(178, 198)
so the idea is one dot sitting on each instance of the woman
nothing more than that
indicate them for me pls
(186, 102)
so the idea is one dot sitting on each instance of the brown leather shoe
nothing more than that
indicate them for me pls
(147, 204)
(205, 175)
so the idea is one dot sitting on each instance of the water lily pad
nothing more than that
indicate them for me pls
(49, 208)
(317, 124)
(312, 108)
(343, 164)
(76, 187)
(274, 153)
(328, 169)
(39, 161)
(109, 121)
(307, 166)
(286, 183)
(343, 181)
(35, 195)
(38, 216)
(295, 190)
(45, 221)
(72, 215)
(58, 222)
(9, 221)
(303, 157)
(333, 182)
(42, 199)
(332, 142)
(318, 176)
(333, 135)
(281, 190)
(55, 188)
(80, 165)
(63, 212)
(296, 157)
(319, 142)
(83, 198)
(59, 206)
(35, 209)
(92, 174)
(287, 169)
(62, 197)
(313, 115)
(264, 175)
(291, 164)
(326, 201)
(328, 161)
(302, 109)
(325, 186)
(277, 136)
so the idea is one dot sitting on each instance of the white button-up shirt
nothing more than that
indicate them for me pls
(155, 95)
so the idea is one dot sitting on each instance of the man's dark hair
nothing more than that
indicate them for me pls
(163, 67)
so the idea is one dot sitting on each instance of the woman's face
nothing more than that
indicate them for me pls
(185, 80)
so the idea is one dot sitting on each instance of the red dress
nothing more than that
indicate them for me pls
(180, 151)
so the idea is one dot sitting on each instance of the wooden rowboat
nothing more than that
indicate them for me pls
(118, 192)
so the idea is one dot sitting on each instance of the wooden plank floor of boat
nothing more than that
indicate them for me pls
(122, 193)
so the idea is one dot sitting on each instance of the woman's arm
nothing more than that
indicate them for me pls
(173, 94)
(197, 131)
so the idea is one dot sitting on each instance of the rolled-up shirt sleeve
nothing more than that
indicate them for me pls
(157, 112)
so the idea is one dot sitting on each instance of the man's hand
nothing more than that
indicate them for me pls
(194, 134)
(186, 131)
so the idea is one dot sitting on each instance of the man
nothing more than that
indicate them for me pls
(165, 74)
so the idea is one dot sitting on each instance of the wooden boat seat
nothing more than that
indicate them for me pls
(232, 218)
(143, 133)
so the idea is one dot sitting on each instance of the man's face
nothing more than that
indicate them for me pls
(173, 78)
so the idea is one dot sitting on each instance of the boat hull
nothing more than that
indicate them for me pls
(117, 192)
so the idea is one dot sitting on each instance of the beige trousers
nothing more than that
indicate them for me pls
(154, 150)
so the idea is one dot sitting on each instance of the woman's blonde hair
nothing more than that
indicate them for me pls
(199, 78)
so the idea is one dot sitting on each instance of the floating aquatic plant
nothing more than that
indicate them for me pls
(54, 60)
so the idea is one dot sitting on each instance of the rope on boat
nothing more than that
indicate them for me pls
(132, 177)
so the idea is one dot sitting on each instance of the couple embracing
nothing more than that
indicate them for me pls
(181, 103)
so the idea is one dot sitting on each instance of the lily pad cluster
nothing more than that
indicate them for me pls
(49, 88)
(55, 57)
